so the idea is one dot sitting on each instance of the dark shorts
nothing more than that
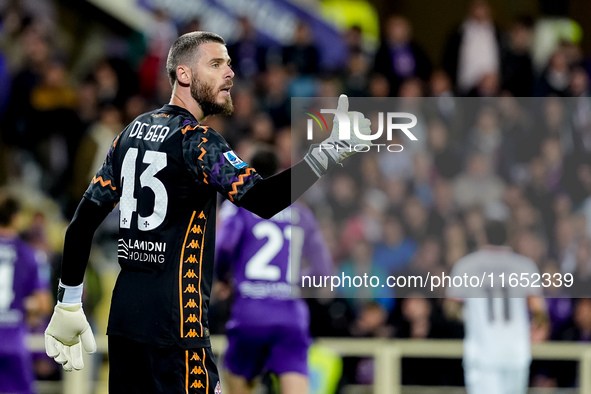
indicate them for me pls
(142, 368)
(254, 351)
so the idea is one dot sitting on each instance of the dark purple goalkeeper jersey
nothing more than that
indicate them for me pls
(19, 278)
(264, 259)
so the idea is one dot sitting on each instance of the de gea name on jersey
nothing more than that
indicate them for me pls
(154, 133)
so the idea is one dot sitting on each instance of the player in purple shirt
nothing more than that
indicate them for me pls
(22, 289)
(268, 330)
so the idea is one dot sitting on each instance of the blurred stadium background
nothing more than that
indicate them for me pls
(73, 73)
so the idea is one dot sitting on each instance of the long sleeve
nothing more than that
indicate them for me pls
(78, 240)
(268, 196)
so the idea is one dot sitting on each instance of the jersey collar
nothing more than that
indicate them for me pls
(177, 110)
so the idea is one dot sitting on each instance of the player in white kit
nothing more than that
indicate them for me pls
(497, 346)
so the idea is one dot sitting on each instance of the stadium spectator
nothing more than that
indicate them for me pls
(159, 37)
(517, 69)
(580, 327)
(478, 184)
(116, 82)
(396, 250)
(274, 99)
(474, 220)
(421, 318)
(399, 57)
(517, 135)
(552, 29)
(473, 49)
(361, 262)
(579, 88)
(577, 329)
(371, 322)
(370, 172)
(582, 271)
(456, 244)
(416, 219)
(366, 224)
(342, 198)
(54, 100)
(247, 53)
(560, 306)
(555, 78)
(397, 192)
(489, 85)
(486, 136)
(355, 75)
(530, 245)
(440, 84)
(378, 86)
(20, 118)
(446, 160)
(417, 318)
(444, 207)
(93, 146)
(241, 121)
(301, 58)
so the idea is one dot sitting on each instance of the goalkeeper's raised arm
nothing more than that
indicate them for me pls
(320, 159)
(163, 171)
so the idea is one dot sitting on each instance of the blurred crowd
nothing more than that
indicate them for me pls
(417, 211)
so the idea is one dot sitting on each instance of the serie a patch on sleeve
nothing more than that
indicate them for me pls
(233, 158)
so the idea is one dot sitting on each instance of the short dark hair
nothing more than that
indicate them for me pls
(496, 233)
(9, 206)
(185, 48)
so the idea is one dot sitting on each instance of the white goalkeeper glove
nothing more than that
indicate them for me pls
(68, 332)
(330, 152)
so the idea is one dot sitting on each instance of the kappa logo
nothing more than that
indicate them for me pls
(234, 159)
(197, 385)
(192, 333)
(191, 303)
(190, 289)
(218, 389)
(193, 245)
(191, 259)
(197, 370)
(191, 319)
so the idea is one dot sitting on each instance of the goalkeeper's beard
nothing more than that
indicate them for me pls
(205, 95)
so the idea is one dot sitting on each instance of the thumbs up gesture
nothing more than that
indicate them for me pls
(341, 142)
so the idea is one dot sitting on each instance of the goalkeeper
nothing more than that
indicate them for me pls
(164, 171)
